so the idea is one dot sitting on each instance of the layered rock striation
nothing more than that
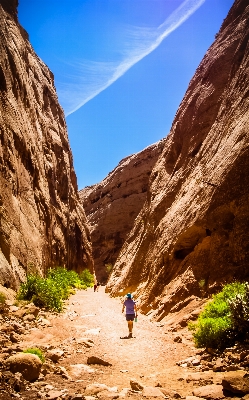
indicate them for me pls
(112, 205)
(191, 236)
(42, 223)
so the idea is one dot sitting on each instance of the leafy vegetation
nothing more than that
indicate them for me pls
(225, 319)
(109, 268)
(35, 351)
(2, 298)
(86, 278)
(50, 292)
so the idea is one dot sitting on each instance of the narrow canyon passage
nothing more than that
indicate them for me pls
(150, 356)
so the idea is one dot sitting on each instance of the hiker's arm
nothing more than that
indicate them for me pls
(135, 309)
(123, 308)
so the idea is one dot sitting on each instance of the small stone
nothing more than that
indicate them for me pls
(85, 342)
(55, 354)
(97, 360)
(54, 394)
(95, 388)
(196, 362)
(135, 385)
(14, 337)
(219, 365)
(178, 339)
(29, 317)
(149, 391)
(106, 394)
(32, 309)
(44, 322)
(13, 308)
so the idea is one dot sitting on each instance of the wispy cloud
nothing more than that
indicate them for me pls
(87, 79)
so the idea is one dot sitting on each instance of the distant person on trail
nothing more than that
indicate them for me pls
(131, 312)
(95, 286)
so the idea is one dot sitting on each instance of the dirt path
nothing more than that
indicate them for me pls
(150, 356)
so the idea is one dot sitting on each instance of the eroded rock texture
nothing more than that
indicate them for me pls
(192, 234)
(42, 223)
(112, 205)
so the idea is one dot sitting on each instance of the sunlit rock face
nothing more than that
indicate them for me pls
(192, 234)
(112, 205)
(42, 223)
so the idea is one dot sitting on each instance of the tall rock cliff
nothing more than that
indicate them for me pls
(112, 205)
(192, 234)
(42, 223)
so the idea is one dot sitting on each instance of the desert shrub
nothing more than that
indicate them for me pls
(42, 292)
(51, 291)
(35, 351)
(86, 278)
(2, 298)
(216, 325)
(239, 308)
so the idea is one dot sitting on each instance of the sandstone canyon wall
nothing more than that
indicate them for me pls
(42, 223)
(112, 205)
(191, 236)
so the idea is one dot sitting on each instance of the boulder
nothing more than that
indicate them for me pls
(211, 392)
(236, 384)
(29, 365)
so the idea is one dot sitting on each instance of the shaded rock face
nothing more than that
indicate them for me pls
(42, 223)
(192, 234)
(112, 205)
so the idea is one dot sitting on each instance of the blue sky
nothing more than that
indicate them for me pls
(121, 68)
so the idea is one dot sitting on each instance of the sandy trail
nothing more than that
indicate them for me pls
(150, 356)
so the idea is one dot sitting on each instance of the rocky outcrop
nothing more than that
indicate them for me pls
(192, 234)
(112, 205)
(42, 223)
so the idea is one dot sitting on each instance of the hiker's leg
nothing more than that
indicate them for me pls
(130, 326)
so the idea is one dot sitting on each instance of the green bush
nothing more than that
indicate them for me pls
(218, 325)
(51, 291)
(239, 307)
(2, 298)
(35, 351)
(42, 292)
(86, 278)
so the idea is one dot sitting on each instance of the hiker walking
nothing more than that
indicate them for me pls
(131, 312)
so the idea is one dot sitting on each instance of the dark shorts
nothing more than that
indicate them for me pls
(130, 317)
